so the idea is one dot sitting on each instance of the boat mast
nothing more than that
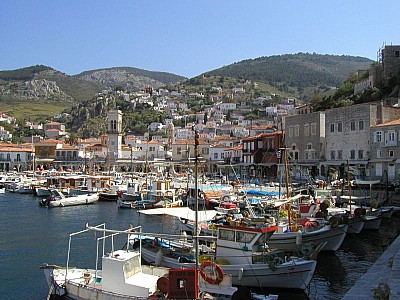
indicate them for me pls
(196, 170)
(285, 160)
(349, 183)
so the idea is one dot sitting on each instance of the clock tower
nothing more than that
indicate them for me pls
(114, 134)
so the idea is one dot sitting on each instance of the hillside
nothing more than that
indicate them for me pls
(21, 88)
(129, 78)
(296, 71)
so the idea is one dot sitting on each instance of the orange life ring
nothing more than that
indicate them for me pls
(206, 276)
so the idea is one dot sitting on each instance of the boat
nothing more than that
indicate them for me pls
(386, 211)
(58, 199)
(372, 222)
(244, 253)
(124, 277)
(227, 207)
(156, 203)
(41, 191)
(353, 219)
(2, 189)
(291, 239)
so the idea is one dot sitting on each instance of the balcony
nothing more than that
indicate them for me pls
(390, 144)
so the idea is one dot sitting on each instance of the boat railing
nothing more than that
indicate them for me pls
(111, 235)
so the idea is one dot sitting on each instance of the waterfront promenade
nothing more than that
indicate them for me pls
(382, 280)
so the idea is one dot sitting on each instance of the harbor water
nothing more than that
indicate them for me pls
(33, 235)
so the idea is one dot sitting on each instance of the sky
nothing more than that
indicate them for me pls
(186, 37)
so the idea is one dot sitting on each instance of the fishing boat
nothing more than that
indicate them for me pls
(244, 253)
(58, 199)
(124, 277)
(372, 222)
(289, 239)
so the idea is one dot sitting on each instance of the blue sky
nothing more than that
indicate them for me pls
(187, 37)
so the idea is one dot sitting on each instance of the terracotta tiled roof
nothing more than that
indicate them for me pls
(393, 122)
(49, 141)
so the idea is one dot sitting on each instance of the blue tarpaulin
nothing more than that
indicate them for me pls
(262, 193)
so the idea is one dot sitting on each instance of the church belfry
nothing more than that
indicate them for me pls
(114, 134)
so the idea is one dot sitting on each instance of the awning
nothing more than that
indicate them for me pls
(44, 159)
(379, 160)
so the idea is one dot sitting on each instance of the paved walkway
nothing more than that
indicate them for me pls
(382, 280)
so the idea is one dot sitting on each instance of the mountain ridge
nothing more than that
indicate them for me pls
(291, 74)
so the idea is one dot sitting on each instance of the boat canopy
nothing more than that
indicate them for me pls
(182, 212)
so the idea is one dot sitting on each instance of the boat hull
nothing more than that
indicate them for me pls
(72, 201)
(332, 236)
(356, 224)
(289, 275)
(372, 222)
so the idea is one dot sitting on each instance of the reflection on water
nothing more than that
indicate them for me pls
(32, 235)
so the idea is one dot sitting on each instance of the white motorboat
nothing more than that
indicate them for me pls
(41, 191)
(58, 199)
(124, 277)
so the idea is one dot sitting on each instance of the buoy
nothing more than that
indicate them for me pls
(159, 258)
(211, 279)
(299, 238)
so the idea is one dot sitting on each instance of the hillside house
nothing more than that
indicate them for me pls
(54, 129)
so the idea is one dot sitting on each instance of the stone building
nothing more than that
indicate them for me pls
(305, 139)
(321, 143)
(385, 151)
(390, 61)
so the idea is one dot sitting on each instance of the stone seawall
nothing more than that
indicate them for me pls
(382, 280)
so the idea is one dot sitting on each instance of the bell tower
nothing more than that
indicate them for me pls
(114, 134)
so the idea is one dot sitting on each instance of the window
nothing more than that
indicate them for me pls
(306, 130)
(179, 150)
(352, 126)
(340, 154)
(228, 235)
(360, 154)
(361, 125)
(291, 131)
(244, 237)
(391, 136)
(332, 127)
(352, 154)
(340, 127)
(378, 154)
(391, 153)
(332, 154)
(18, 157)
(296, 130)
(222, 155)
(215, 155)
(313, 129)
(378, 136)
